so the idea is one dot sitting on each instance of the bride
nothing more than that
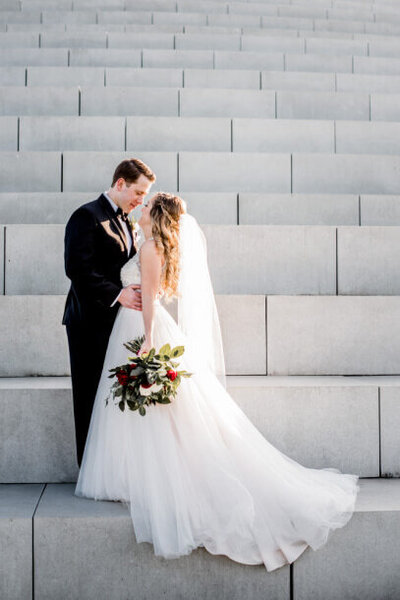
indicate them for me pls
(196, 472)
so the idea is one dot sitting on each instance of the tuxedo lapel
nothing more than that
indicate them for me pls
(113, 217)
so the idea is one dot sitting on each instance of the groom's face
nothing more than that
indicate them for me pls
(128, 196)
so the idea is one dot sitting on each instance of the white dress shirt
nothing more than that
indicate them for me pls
(125, 228)
(124, 225)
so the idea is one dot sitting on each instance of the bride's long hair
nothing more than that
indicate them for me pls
(165, 214)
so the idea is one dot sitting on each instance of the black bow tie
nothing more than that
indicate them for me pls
(124, 216)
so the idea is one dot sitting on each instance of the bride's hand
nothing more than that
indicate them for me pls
(146, 347)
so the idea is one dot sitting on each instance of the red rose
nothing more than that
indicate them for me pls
(146, 385)
(132, 366)
(122, 377)
(171, 374)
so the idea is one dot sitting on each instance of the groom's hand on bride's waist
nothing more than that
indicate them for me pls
(131, 297)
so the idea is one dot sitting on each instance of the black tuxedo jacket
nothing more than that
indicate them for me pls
(95, 251)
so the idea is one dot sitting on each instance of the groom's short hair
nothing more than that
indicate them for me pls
(130, 169)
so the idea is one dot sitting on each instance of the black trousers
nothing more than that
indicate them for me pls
(87, 350)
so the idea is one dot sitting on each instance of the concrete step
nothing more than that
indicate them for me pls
(198, 59)
(34, 56)
(273, 335)
(271, 172)
(11, 5)
(385, 23)
(223, 208)
(48, 529)
(19, 40)
(130, 101)
(346, 7)
(206, 39)
(199, 78)
(206, 134)
(281, 16)
(45, 101)
(351, 423)
(198, 41)
(217, 24)
(342, 10)
(122, 26)
(319, 260)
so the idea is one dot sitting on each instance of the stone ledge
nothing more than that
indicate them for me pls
(351, 423)
(86, 549)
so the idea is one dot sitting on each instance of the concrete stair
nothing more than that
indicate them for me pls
(297, 259)
(278, 122)
(61, 546)
(351, 423)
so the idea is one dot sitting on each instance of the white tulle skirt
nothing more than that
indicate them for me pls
(198, 473)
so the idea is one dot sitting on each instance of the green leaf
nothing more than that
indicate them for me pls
(118, 392)
(122, 405)
(166, 349)
(177, 351)
(131, 404)
(142, 410)
(135, 345)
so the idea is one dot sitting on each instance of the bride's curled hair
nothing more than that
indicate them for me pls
(165, 214)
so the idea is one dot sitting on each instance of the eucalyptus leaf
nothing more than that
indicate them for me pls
(164, 401)
(166, 349)
(177, 351)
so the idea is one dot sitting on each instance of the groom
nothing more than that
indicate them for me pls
(98, 242)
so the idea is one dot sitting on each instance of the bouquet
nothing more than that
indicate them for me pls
(147, 379)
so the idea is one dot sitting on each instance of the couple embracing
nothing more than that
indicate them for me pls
(195, 472)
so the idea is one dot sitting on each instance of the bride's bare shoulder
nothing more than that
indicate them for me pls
(149, 252)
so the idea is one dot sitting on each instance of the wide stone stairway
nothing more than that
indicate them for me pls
(278, 121)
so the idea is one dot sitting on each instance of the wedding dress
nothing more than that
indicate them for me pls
(197, 472)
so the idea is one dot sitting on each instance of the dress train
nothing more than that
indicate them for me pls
(198, 473)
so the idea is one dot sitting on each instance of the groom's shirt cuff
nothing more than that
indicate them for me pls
(116, 299)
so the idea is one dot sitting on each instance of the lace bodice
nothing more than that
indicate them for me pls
(130, 272)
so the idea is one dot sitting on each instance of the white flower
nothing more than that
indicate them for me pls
(153, 389)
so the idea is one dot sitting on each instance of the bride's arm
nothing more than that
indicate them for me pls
(150, 266)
